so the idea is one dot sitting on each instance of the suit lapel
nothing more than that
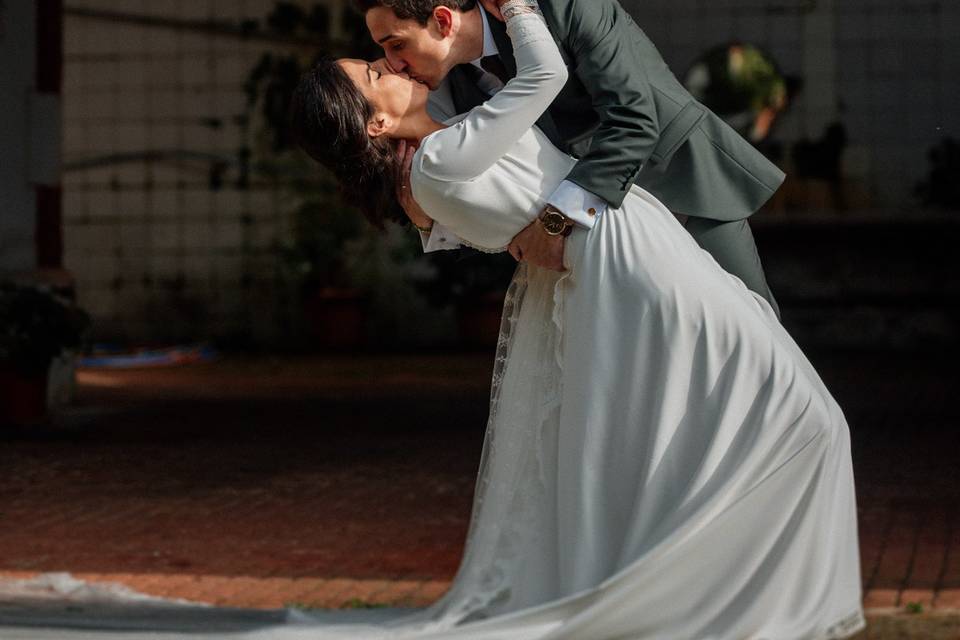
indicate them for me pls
(504, 45)
(464, 90)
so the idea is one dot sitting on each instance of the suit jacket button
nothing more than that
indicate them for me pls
(592, 211)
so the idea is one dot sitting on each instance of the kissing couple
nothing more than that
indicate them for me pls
(661, 460)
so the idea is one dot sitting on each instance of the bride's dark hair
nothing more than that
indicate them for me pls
(328, 117)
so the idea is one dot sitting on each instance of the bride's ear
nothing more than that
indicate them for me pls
(378, 125)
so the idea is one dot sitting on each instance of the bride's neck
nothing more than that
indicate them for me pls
(417, 127)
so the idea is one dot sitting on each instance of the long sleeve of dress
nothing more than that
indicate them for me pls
(471, 146)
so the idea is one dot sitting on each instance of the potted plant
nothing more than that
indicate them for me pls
(475, 286)
(36, 327)
(315, 257)
(349, 277)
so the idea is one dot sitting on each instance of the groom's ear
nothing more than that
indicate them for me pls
(442, 19)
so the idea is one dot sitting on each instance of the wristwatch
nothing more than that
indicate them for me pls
(554, 222)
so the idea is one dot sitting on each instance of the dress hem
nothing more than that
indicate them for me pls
(845, 627)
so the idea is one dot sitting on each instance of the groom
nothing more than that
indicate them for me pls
(623, 114)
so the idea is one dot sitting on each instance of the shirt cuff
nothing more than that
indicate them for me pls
(577, 203)
(438, 239)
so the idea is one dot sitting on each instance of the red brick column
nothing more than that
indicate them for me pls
(49, 80)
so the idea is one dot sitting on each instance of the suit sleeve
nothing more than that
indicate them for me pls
(603, 41)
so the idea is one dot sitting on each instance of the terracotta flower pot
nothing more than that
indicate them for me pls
(336, 319)
(23, 397)
(478, 320)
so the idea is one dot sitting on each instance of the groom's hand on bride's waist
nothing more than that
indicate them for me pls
(536, 246)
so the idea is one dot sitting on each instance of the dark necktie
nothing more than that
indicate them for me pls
(493, 64)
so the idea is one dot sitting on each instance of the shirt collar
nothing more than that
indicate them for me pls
(489, 44)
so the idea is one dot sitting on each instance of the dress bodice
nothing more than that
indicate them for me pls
(487, 210)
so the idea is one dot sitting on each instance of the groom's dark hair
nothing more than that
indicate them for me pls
(419, 10)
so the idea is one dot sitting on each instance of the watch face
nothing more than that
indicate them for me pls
(554, 222)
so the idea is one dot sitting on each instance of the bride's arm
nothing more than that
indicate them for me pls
(470, 147)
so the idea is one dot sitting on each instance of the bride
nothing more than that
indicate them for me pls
(661, 460)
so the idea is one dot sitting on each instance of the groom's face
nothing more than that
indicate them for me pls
(421, 51)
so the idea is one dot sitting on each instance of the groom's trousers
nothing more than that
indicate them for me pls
(732, 245)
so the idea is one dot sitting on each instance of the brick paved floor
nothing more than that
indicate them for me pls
(331, 482)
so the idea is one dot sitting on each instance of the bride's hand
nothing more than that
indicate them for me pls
(493, 8)
(417, 215)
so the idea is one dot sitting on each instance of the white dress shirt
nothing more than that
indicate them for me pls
(574, 201)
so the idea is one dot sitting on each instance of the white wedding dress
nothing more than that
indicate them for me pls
(661, 460)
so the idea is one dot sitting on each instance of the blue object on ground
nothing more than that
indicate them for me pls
(164, 357)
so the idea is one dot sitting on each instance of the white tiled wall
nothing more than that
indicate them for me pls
(158, 255)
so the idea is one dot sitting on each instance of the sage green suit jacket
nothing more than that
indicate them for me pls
(630, 121)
